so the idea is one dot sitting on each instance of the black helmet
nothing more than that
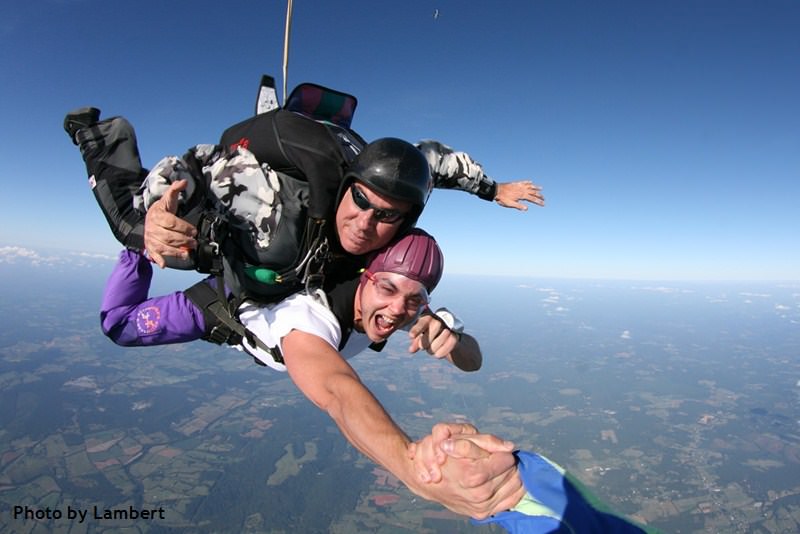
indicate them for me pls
(394, 168)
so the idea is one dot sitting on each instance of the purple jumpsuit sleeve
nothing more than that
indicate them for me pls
(129, 318)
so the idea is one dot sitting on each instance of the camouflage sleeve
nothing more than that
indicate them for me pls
(173, 168)
(456, 170)
(231, 182)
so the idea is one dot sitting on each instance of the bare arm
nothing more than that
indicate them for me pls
(331, 384)
(453, 169)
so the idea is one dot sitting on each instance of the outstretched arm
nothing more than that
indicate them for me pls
(330, 383)
(451, 169)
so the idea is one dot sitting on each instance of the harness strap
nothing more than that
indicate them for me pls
(313, 265)
(211, 229)
(221, 326)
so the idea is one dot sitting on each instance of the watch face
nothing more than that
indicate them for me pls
(448, 318)
(451, 321)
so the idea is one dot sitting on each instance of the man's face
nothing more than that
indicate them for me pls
(386, 302)
(367, 220)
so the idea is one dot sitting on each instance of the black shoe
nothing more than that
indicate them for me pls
(80, 118)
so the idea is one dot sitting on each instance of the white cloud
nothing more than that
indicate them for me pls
(663, 289)
(94, 256)
(626, 334)
(16, 255)
(23, 255)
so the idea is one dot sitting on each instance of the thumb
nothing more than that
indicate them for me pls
(475, 446)
(172, 196)
(463, 448)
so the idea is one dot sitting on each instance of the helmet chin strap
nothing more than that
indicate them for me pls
(358, 319)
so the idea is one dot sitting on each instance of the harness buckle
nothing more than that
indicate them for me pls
(221, 334)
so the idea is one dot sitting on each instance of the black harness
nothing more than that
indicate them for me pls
(308, 152)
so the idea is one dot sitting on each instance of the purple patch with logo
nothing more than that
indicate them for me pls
(148, 319)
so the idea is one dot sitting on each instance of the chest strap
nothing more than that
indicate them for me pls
(221, 326)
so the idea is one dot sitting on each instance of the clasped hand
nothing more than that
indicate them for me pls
(470, 473)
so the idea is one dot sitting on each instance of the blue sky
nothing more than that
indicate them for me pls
(665, 135)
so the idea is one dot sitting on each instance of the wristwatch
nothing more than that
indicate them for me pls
(452, 322)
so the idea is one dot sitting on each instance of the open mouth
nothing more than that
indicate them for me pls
(385, 325)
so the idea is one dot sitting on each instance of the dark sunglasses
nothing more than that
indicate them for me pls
(380, 214)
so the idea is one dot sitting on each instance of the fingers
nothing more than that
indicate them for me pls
(477, 483)
(441, 433)
(423, 454)
(156, 258)
(533, 195)
(415, 345)
(475, 447)
(170, 229)
(432, 335)
(420, 325)
(445, 430)
(165, 234)
(476, 466)
(497, 463)
(505, 492)
(442, 344)
(513, 204)
(416, 329)
(512, 194)
(427, 453)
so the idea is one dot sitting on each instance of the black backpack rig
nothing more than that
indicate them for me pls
(308, 144)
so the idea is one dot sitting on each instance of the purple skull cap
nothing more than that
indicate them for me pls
(415, 255)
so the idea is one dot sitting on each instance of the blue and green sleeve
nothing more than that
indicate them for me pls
(557, 503)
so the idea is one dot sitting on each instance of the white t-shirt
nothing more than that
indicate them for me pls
(271, 322)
